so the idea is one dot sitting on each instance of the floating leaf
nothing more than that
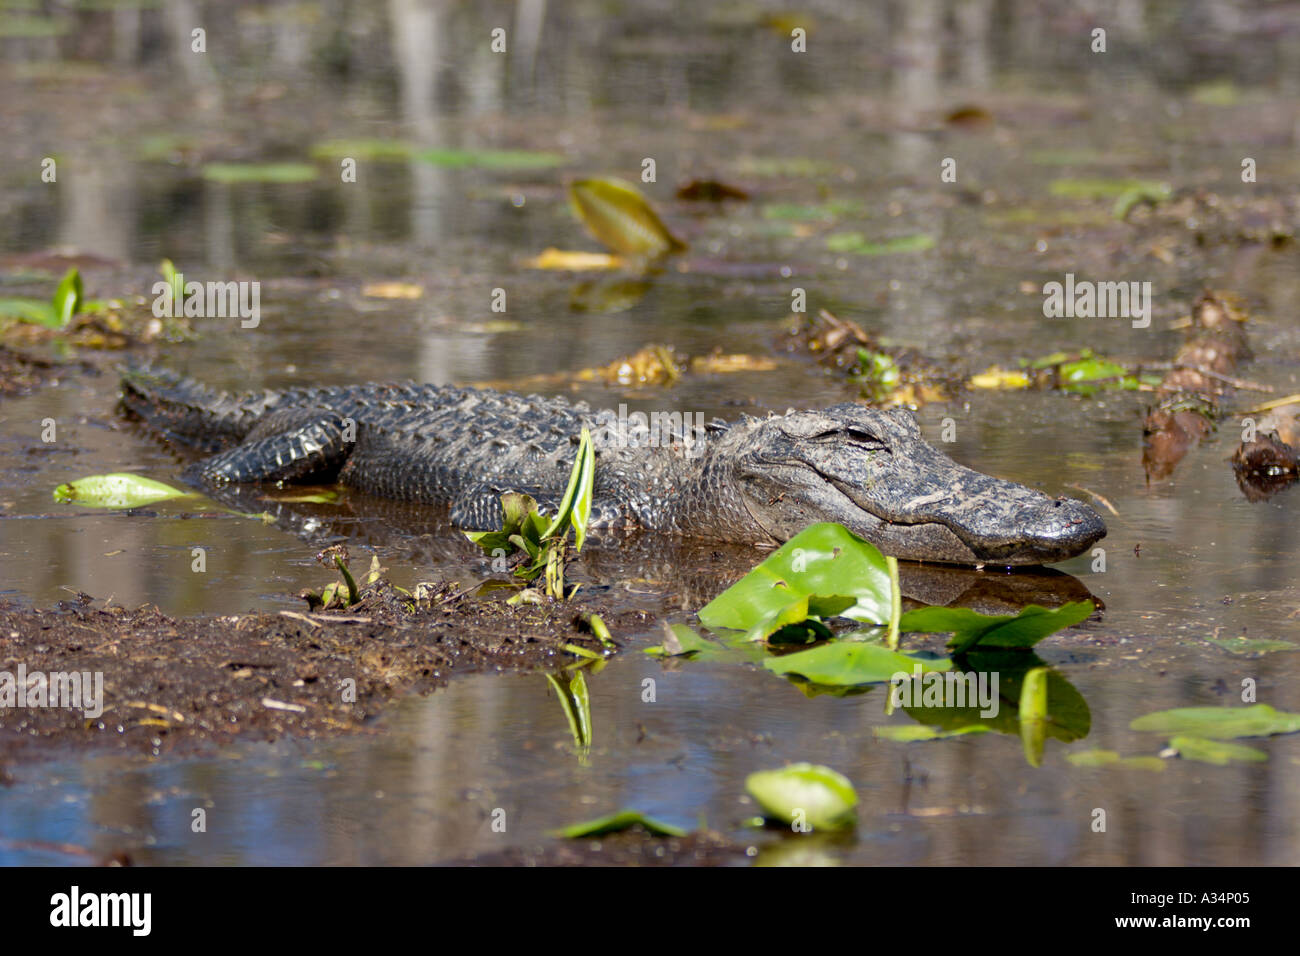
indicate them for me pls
(620, 217)
(1111, 758)
(1152, 194)
(566, 261)
(804, 793)
(856, 243)
(392, 290)
(117, 490)
(311, 498)
(617, 823)
(848, 663)
(909, 733)
(259, 172)
(996, 377)
(969, 627)
(1216, 751)
(682, 641)
(824, 564)
(1220, 723)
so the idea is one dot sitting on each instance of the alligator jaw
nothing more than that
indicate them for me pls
(1019, 526)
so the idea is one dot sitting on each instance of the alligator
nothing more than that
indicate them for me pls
(756, 480)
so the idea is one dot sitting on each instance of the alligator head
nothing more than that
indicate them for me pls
(871, 471)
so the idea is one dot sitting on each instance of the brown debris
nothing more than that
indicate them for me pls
(834, 342)
(1265, 466)
(1189, 397)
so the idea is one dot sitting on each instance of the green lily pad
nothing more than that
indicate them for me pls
(1216, 751)
(117, 490)
(234, 173)
(824, 569)
(1111, 758)
(970, 628)
(682, 641)
(617, 823)
(849, 663)
(857, 243)
(806, 793)
(1220, 723)
(908, 733)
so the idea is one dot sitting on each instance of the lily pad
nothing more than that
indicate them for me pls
(849, 663)
(619, 216)
(235, 173)
(827, 566)
(682, 641)
(1216, 751)
(804, 793)
(908, 733)
(117, 490)
(1220, 723)
(857, 243)
(1111, 758)
(970, 628)
(617, 823)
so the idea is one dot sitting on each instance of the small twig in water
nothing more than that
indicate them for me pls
(1102, 498)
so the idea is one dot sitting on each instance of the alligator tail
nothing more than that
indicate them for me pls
(188, 413)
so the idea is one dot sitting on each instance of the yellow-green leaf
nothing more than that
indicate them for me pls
(620, 217)
(117, 490)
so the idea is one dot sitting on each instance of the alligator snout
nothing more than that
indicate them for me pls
(1054, 529)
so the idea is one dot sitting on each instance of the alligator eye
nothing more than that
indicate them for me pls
(853, 436)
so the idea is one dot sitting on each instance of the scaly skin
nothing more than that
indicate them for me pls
(757, 480)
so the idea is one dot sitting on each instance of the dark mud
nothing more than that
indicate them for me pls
(180, 685)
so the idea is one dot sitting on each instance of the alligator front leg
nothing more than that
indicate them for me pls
(310, 451)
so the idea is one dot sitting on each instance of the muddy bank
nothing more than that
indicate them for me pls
(182, 685)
